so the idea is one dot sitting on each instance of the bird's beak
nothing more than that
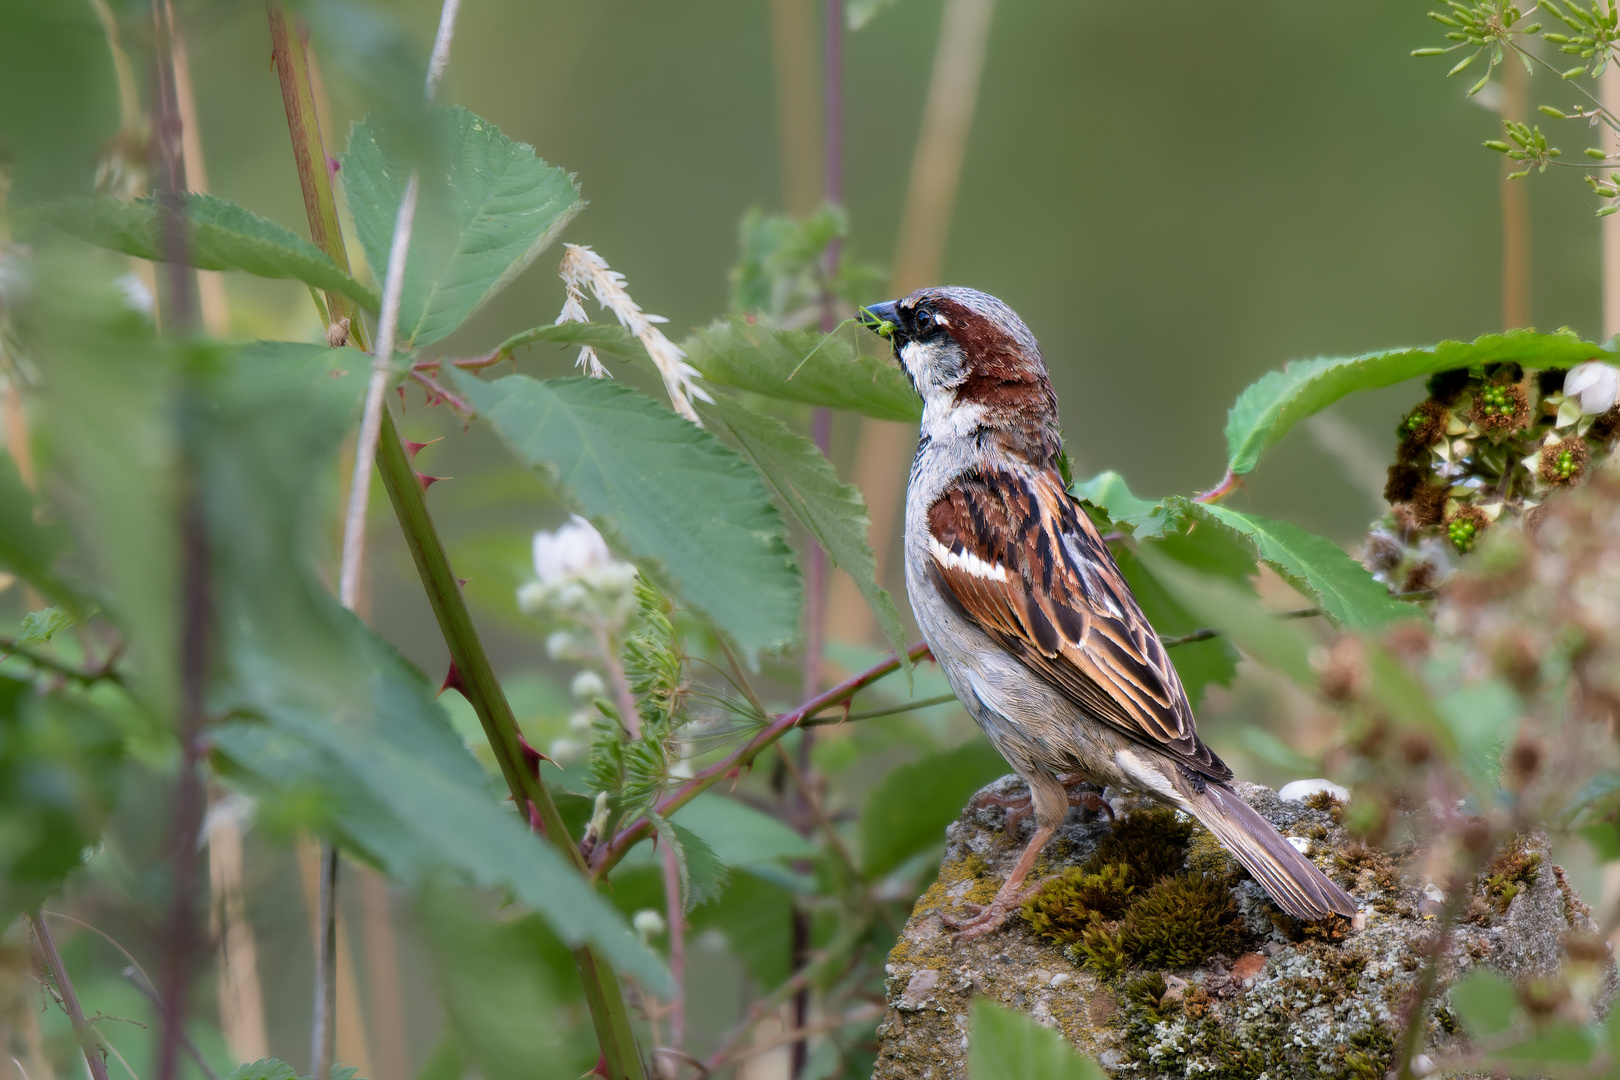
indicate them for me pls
(880, 318)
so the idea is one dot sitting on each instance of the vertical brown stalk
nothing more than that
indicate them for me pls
(241, 998)
(885, 447)
(1515, 209)
(383, 978)
(196, 601)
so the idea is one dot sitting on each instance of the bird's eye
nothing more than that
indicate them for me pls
(922, 317)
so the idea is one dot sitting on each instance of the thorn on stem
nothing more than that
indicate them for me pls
(414, 448)
(427, 481)
(461, 582)
(535, 824)
(452, 681)
(531, 757)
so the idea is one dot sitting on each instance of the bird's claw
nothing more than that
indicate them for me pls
(987, 918)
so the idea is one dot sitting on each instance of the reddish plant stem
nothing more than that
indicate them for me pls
(608, 855)
(1229, 483)
(196, 601)
(675, 909)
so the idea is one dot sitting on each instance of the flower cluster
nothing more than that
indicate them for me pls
(1487, 443)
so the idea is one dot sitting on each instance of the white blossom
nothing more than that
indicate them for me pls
(1595, 384)
(648, 923)
(587, 685)
(582, 268)
(569, 553)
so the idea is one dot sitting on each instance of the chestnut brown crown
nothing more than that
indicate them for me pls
(966, 350)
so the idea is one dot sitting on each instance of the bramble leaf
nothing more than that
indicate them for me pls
(1265, 412)
(801, 365)
(220, 235)
(807, 487)
(495, 207)
(673, 493)
(908, 811)
(1008, 1045)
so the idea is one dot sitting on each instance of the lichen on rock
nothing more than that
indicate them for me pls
(1153, 951)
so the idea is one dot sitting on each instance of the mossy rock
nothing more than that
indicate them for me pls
(1155, 953)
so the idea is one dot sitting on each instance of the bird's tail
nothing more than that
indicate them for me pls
(1298, 887)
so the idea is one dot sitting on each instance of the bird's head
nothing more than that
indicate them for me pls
(969, 357)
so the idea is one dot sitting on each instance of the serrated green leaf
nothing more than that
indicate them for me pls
(264, 1069)
(673, 494)
(806, 486)
(1109, 491)
(908, 811)
(40, 626)
(495, 207)
(1266, 411)
(801, 365)
(220, 235)
(1343, 588)
(703, 875)
(1008, 1045)
(604, 337)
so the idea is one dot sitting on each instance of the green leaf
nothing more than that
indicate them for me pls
(1484, 1001)
(604, 337)
(264, 1069)
(1604, 838)
(805, 485)
(492, 980)
(672, 492)
(59, 772)
(1008, 1045)
(341, 712)
(861, 12)
(801, 365)
(1315, 565)
(1265, 412)
(908, 811)
(1562, 1042)
(479, 223)
(220, 235)
(740, 835)
(1109, 491)
(40, 626)
(703, 875)
(756, 918)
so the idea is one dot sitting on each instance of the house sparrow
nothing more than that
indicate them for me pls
(1027, 612)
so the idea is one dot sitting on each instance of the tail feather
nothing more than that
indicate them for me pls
(1298, 886)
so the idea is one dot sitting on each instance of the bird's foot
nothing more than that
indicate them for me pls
(987, 918)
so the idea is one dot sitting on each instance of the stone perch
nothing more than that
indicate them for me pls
(1182, 967)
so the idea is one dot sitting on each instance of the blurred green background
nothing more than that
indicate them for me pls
(1177, 197)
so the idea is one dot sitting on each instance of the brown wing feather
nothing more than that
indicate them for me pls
(1027, 565)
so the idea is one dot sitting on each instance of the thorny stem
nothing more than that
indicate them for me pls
(70, 999)
(608, 855)
(478, 683)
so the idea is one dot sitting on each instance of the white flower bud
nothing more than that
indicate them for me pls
(566, 751)
(648, 923)
(560, 645)
(587, 685)
(531, 598)
(570, 552)
(1595, 384)
(581, 721)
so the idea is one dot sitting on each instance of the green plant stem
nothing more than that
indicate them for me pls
(475, 677)
(608, 855)
(70, 1000)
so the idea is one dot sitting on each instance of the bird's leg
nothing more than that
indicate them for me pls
(1019, 807)
(1009, 898)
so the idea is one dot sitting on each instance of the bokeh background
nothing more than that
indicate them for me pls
(1177, 197)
